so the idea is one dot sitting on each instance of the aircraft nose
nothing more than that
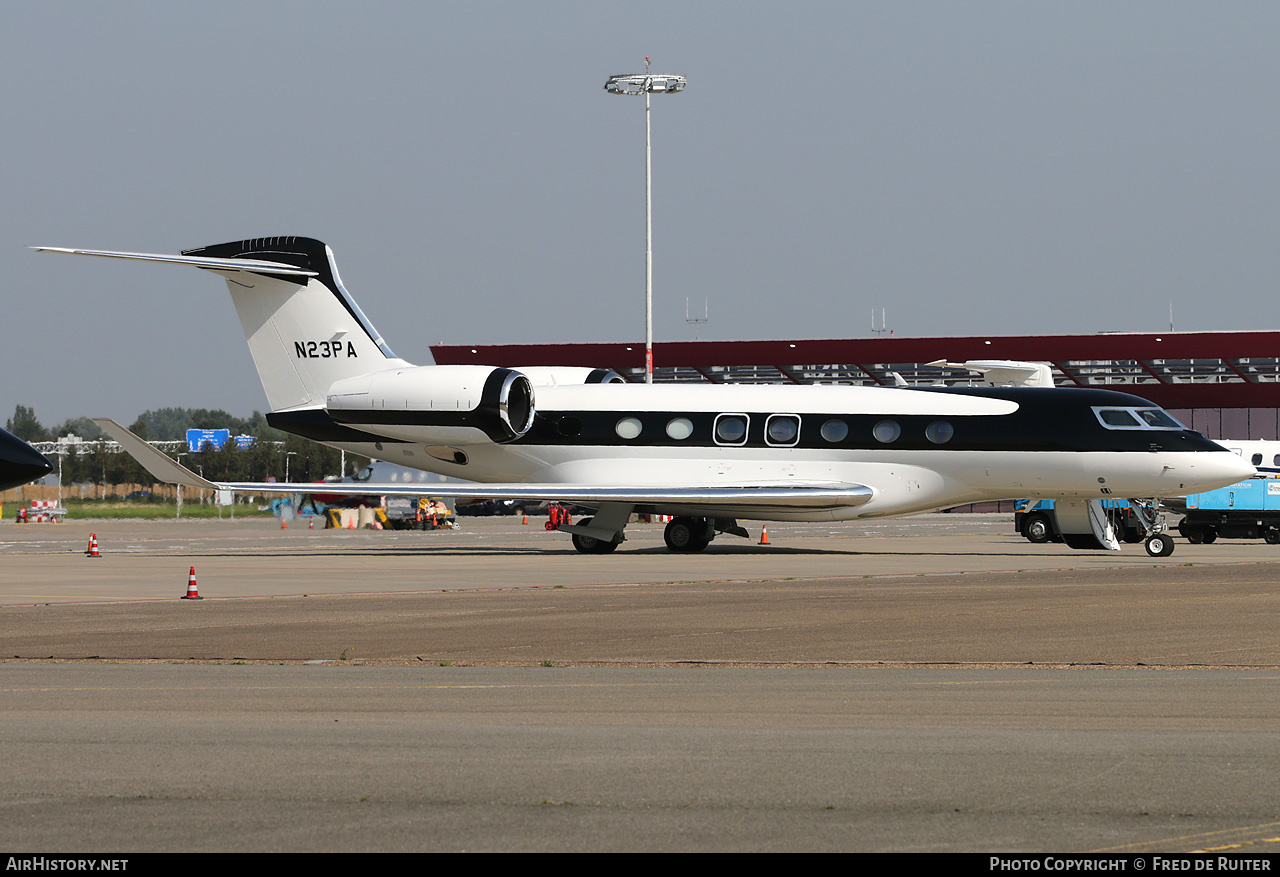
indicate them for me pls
(1220, 469)
(1243, 469)
(20, 463)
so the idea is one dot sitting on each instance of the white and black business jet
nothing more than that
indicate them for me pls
(710, 455)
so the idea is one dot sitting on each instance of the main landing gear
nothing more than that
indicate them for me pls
(602, 534)
(590, 544)
(686, 535)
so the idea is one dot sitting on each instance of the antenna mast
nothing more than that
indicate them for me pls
(883, 330)
(696, 320)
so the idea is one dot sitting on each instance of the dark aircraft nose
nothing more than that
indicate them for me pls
(19, 462)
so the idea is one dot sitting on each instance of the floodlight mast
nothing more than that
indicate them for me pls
(647, 83)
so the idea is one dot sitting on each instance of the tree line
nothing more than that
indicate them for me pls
(92, 462)
(162, 424)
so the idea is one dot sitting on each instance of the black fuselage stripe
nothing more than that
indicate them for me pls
(971, 432)
(317, 425)
(1050, 420)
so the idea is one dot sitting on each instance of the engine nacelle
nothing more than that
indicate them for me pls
(562, 375)
(436, 404)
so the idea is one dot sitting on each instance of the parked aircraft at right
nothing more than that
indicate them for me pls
(1262, 455)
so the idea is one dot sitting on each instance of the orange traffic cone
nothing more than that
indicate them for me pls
(311, 522)
(193, 593)
(524, 519)
(93, 545)
(351, 522)
(764, 535)
(88, 549)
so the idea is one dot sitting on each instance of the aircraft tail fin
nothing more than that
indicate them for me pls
(305, 331)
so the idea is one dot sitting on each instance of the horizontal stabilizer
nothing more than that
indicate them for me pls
(304, 329)
(249, 266)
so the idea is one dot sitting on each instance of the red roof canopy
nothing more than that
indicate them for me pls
(1173, 369)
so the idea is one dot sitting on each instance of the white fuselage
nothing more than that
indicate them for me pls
(908, 473)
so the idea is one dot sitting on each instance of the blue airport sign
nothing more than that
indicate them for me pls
(199, 438)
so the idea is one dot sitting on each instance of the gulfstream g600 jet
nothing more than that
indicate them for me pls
(710, 455)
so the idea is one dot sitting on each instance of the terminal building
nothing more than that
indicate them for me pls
(1224, 384)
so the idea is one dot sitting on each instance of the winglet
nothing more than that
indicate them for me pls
(1004, 372)
(162, 467)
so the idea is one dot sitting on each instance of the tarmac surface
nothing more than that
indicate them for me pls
(935, 683)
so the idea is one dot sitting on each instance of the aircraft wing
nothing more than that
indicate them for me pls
(802, 495)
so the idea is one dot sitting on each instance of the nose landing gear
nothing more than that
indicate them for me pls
(1158, 542)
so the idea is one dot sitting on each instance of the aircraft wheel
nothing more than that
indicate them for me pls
(1037, 529)
(1159, 545)
(590, 544)
(685, 535)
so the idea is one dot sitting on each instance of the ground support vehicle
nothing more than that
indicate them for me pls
(407, 513)
(1248, 509)
(1037, 522)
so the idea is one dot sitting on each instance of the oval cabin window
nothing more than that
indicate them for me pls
(939, 432)
(629, 428)
(887, 431)
(835, 430)
(680, 428)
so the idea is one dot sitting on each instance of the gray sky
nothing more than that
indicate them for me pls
(977, 167)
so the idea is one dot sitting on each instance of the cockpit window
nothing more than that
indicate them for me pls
(1136, 418)
(1157, 418)
(1118, 417)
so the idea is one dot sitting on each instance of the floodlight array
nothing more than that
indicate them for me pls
(645, 83)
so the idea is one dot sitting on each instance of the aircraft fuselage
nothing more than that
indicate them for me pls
(920, 449)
